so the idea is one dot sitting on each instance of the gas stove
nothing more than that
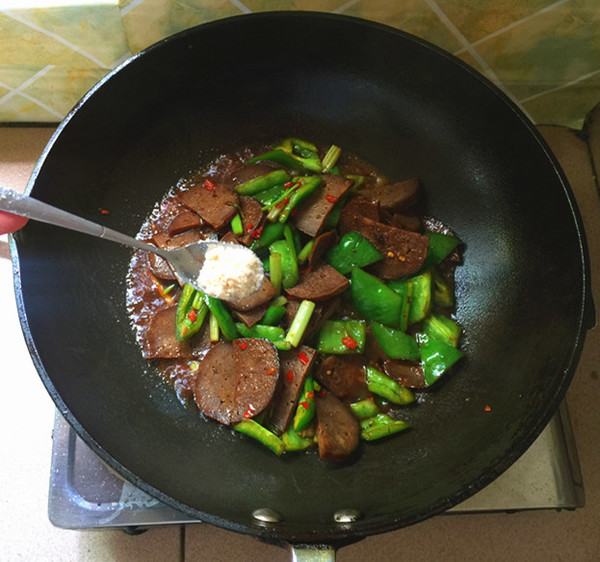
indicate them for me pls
(86, 494)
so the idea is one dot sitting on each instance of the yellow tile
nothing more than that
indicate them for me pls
(61, 88)
(13, 75)
(22, 45)
(3, 91)
(477, 18)
(412, 16)
(188, 13)
(306, 5)
(147, 23)
(21, 109)
(547, 51)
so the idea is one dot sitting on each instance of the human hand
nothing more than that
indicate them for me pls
(10, 222)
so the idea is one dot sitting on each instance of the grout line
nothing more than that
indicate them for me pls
(565, 85)
(241, 6)
(124, 11)
(473, 52)
(19, 91)
(344, 7)
(54, 36)
(515, 24)
(182, 543)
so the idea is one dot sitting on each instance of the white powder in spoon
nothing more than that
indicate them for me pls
(230, 272)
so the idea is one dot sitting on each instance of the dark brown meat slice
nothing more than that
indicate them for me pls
(323, 282)
(184, 221)
(405, 221)
(355, 208)
(251, 317)
(161, 342)
(215, 206)
(338, 430)
(230, 238)
(216, 384)
(263, 295)
(344, 376)
(252, 218)
(313, 212)
(163, 240)
(407, 373)
(394, 196)
(321, 244)
(257, 368)
(294, 368)
(236, 380)
(403, 251)
(247, 172)
(160, 268)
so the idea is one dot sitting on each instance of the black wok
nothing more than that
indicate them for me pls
(410, 109)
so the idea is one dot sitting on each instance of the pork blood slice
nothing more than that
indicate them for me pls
(338, 430)
(323, 282)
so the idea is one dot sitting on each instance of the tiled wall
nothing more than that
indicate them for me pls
(544, 53)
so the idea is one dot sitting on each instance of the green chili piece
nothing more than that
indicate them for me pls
(289, 260)
(278, 156)
(307, 185)
(271, 333)
(261, 183)
(342, 337)
(273, 315)
(395, 343)
(380, 426)
(224, 319)
(306, 405)
(387, 388)
(253, 429)
(294, 441)
(302, 151)
(436, 357)
(299, 323)
(190, 314)
(442, 328)
(420, 300)
(270, 196)
(269, 234)
(404, 289)
(375, 301)
(214, 331)
(365, 408)
(442, 294)
(440, 245)
(353, 250)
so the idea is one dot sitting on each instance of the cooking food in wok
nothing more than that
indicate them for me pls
(410, 110)
(355, 313)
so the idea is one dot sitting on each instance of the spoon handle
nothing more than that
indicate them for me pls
(25, 206)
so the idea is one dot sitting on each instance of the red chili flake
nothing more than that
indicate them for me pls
(104, 211)
(192, 315)
(350, 343)
(210, 185)
(256, 232)
(286, 201)
(304, 404)
(271, 371)
(278, 205)
(289, 376)
(249, 227)
(487, 409)
(331, 198)
(243, 345)
(322, 392)
(303, 357)
(293, 212)
(184, 331)
(247, 414)
(289, 184)
(310, 395)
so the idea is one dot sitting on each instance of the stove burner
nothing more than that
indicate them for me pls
(86, 494)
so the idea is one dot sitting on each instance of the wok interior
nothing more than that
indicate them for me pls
(399, 104)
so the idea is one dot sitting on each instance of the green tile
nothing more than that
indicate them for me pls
(476, 19)
(547, 51)
(566, 106)
(412, 16)
(20, 109)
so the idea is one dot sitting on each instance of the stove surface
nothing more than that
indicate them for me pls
(86, 494)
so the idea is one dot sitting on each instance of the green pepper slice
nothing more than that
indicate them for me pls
(395, 343)
(374, 300)
(353, 250)
(436, 357)
(387, 388)
(342, 337)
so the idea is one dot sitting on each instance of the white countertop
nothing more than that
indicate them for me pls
(27, 415)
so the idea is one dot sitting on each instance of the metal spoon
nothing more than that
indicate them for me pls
(186, 262)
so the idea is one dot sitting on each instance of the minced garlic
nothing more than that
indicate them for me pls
(230, 272)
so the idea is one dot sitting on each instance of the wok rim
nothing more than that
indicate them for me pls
(337, 534)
